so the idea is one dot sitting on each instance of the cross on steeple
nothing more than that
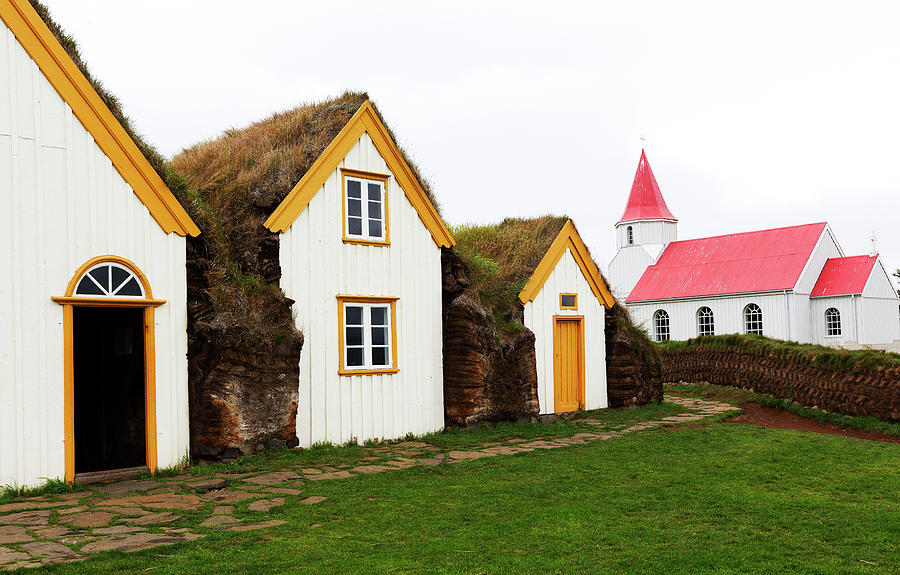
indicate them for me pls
(874, 239)
(643, 139)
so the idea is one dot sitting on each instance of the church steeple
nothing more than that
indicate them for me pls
(645, 202)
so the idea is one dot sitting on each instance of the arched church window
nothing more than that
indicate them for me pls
(705, 322)
(832, 322)
(109, 279)
(629, 232)
(661, 325)
(753, 320)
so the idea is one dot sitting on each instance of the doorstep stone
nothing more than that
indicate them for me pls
(123, 487)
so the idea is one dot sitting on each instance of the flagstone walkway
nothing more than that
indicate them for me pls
(138, 514)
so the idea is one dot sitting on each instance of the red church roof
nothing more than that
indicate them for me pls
(844, 276)
(645, 202)
(766, 260)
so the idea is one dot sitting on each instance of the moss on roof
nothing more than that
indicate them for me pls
(501, 258)
(68, 43)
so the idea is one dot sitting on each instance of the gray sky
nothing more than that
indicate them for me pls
(756, 115)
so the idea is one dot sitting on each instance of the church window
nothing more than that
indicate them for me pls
(705, 322)
(109, 279)
(753, 321)
(661, 325)
(629, 231)
(832, 322)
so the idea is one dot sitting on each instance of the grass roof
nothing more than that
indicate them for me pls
(69, 45)
(501, 258)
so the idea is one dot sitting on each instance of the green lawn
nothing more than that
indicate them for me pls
(726, 498)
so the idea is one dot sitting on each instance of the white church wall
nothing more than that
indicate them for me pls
(317, 266)
(728, 314)
(62, 203)
(879, 284)
(626, 268)
(566, 277)
(849, 319)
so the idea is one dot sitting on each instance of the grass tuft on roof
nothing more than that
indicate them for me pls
(501, 258)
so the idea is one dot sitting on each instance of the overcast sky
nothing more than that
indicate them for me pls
(755, 114)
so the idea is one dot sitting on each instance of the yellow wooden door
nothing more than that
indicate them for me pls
(568, 363)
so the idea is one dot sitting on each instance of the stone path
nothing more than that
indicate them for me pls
(138, 514)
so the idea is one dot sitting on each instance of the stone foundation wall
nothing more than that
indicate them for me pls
(875, 392)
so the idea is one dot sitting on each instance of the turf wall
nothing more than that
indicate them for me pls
(851, 382)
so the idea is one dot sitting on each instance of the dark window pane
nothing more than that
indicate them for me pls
(130, 288)
(379, 316)
(353, 189)
(101, 274)
(354, 336)
(374, 192)
(354, 208)
(567, 301)
(119, 276)
(354, 315)
(354, 226)
(375, 228)
(354, 357)
(379, 336)
(87, 287)
(379, 356)
(375, 210)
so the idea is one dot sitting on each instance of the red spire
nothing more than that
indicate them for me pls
(645, 202)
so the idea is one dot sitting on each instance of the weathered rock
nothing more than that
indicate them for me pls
(313, 500)
(273, 478)
(228, 496)
(265, 505)
(487, 376)
(123, 487)
(88, 519)
(136, 541)
(154, 518)
(28, 518)
(217, 520)
(14, 534)
(633, 368)
(115, 530)
(161, 501)
(8, 555)
(49, 550)
(205, 485)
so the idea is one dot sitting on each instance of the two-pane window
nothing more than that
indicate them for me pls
(367, 336)
(365, 207)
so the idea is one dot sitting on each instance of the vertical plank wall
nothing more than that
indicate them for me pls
(62, 203)
(566, 277)
(317, 267)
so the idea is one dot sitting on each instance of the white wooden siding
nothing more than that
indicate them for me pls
(728, 314)
(62, 203)
(850, 326)
(647, 232)
(317, 267)
(566, 277)
(626, 268)
(826, 247)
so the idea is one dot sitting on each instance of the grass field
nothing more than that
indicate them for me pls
(723, 498)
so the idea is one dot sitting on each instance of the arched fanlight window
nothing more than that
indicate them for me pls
(629, 232)
(661, 325)
(753, 319)
(109, 279)
(705, 322)
(832, 322)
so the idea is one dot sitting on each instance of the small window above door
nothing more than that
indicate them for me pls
(109, 279)
(568, 301)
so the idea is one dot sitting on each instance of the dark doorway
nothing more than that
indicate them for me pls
(109, 388)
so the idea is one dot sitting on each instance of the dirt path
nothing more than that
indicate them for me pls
(773, 418)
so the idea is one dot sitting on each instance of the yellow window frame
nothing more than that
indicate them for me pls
(374, 176)
(341, 300)
(574, 295)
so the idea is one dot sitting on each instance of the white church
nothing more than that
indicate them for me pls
(792, 283)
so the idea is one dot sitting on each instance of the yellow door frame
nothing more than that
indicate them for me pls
(148, 304)
(557, 359)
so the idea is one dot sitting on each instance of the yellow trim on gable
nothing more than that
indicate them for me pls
(364, 121)
(65, 77)
(567, 238)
